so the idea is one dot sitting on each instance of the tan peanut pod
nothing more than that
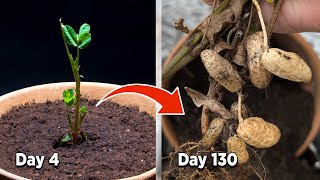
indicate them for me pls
(260, 77)
(237, 145)
(245, 111)
(258, 132)
(221, 70)
(213, 132)
(287, 65)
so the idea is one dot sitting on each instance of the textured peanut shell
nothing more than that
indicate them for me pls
(260, 77)
(245, 111)
(237, 145)
(258, 132)
(212, 133)
(221, 70)
(287, 65)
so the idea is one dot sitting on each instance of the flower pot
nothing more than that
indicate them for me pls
(293, 43)
(90, 90)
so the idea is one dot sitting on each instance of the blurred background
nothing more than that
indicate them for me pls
(32, 52)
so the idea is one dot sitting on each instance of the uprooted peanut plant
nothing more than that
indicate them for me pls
(234, 50)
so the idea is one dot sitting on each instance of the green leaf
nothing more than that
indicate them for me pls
(69, 97)
(85, 28)
(83, 109)
(66, 138)
(85, 43)
(70, 35)
(68, 93)
(83, 37)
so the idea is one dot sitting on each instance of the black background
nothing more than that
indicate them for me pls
(32, 52)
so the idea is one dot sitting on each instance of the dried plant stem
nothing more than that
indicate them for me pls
(205, 119)
(181, 27)
(274, 17)
(230, 34)
(263, 26)
(248, 26)
(214, 89)
(205, 32)
(185, 54)
(239, 107)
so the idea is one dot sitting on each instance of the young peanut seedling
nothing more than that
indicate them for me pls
(71, 97)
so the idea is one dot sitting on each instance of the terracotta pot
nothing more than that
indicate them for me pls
(289, 42)
(90, 90)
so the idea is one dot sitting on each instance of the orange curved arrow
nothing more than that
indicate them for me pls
(171, 102)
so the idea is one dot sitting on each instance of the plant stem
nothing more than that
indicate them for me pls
(186, 59)
(230, 34)
(194, 39)
(69, 119)
(65, 44)
(77, 114)
(263, 26)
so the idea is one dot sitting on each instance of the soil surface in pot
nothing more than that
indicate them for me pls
(121, 141)
(283, 103)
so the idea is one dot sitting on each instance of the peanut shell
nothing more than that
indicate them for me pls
(258, 133)
(221, 70)
(287, 65)
(260, 77)
(237, 145)
(213, 132)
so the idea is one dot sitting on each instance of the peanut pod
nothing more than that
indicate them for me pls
(221, 70)
(260, 77)
(213, 132)
(237, 145)
(287, 65)
(258, 132)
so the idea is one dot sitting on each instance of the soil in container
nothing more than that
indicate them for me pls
(283, 103)
(121, 141)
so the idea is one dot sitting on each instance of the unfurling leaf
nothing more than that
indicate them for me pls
(69, 97)
(83, 110)
(66, 138)
(83, 37)
(70, 35)
(85, 43)
(85, 28)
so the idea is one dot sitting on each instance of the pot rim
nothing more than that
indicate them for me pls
(148, 108)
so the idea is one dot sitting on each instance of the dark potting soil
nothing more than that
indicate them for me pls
(121, 141)
(283, 103)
